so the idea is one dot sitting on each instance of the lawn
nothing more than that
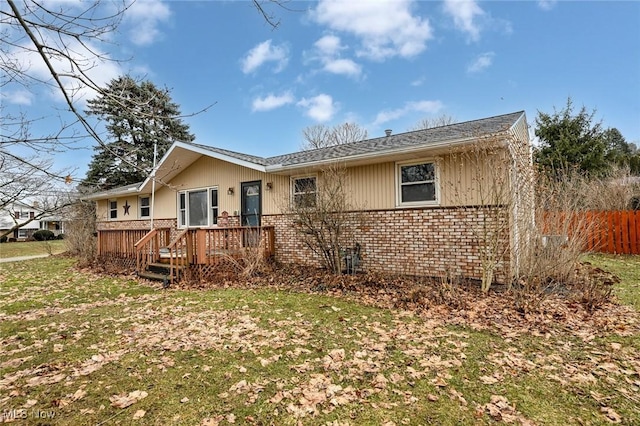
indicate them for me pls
(626, 267)
(31, 248)
(81, 349)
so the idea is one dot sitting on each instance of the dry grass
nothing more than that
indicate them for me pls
(79, 346)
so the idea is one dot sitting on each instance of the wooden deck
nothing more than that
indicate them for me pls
(191, 247)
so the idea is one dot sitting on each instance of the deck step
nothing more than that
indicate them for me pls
(166, 266)
(153, 276)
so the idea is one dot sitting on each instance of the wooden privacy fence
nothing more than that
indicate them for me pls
(615, 232)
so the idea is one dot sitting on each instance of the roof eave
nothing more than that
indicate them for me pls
(373, 155)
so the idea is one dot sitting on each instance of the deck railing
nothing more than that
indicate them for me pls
(213, 244)
(180, 252)
(119, 243)
(148, 247)
(190, 247)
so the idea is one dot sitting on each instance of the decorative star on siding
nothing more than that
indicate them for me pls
(126, 207)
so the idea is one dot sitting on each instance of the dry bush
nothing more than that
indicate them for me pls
(447, 291)
(551, 257)
(80, 232)
(480, 181)
(593, 287)
(249, 261)
(325, 217)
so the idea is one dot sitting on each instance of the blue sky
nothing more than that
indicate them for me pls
(383, 65)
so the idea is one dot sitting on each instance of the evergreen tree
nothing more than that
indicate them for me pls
(569, 140)
(137, 115)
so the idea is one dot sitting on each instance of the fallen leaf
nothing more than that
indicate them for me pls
(611, 415)
(139, 414)
(124, 401)
(488, 380)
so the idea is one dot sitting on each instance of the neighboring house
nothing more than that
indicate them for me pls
(24, 213)
(420, 197)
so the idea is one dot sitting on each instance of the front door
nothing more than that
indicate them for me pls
(251, 203)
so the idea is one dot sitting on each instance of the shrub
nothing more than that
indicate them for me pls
(60, 237)
(44, 235)
(3, 239)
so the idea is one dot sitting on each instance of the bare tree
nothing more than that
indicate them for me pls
(324, 215)
(57, 46)
(431, 122)
(321, 136)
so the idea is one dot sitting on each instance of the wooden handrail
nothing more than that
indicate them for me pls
(147, 248)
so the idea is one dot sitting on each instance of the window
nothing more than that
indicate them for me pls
(145, 206)
(17, 215)
(214, 206)
(182, 209)
(113, 209)
(304, 191)
(23, 233)
(417, 183)
(32, 215)
(198, 208)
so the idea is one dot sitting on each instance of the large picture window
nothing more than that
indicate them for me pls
(417, 183)
(303, 192)
(198, 208)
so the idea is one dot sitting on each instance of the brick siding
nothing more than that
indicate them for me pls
(424, 242)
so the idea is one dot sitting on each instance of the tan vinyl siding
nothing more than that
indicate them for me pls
(208, 172)
(102, 209)
(372, 186)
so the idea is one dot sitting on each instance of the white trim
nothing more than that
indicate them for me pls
(207, 189)
(148, 206)
(436, 182)
(208, 153)
(292, 185)
(109, 209)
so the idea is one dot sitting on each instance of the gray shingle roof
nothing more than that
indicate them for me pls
(381, 145)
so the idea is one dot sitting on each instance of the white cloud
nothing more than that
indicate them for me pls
(481, 63)
(272, 102)
(547, 4)
(265, 52)
(329, 45)
(144, 17)
(384, 28)
(327, 52)
(320, 108)
(429, 107)
(17, 97)
(465, 14)
(343, 66)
